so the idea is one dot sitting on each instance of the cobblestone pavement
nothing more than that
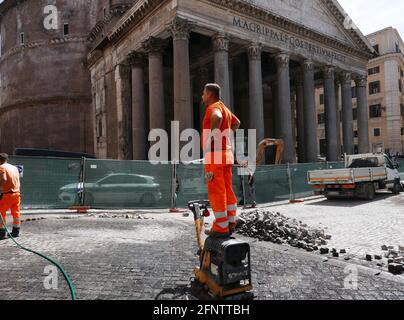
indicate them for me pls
(154, 258)
(360, 227)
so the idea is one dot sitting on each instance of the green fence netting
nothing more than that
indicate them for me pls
(62, 183)
(127, 184)
(44, 181)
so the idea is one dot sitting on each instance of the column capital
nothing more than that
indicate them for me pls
(346, 78)
(221, 42)
(282, 60)
(180, 29)
(136, 59)
(308, 65)
(122, 71)
(361, 81)
(154, 45)
(254, 51)
(329, 72)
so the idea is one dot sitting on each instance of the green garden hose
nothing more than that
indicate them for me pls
(69, 282)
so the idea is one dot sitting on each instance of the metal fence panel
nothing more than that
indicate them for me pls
(298, 174)
(127, 184)
(45, 180)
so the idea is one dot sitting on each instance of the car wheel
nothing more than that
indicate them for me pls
(370, 191)
(148, 200)
(397, 188)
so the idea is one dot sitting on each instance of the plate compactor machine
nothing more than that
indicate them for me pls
(225, 268)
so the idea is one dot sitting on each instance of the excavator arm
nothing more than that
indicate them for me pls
(266, 143)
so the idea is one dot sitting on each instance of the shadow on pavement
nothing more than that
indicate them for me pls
(349, 202)
(194, 291)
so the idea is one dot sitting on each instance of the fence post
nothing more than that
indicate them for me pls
(174, 208)
(82, 181)
(291, 195)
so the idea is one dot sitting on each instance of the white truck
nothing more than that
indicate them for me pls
(362, 176)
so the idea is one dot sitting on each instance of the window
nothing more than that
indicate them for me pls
(123, 179)
(374, 70)
(321, 118)
(377, 132)
(402, 131)
(66, 29)
(321, 99)
(376, 47)
(105, 12)
(398, 48)
(374, 87)
(355, 114)
(400, 86)
(402, 109)
(22, 38)
(375, 111)
(356, 134)
(353, 92)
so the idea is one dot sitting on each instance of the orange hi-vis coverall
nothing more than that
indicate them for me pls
(219, 161)
(11, 197)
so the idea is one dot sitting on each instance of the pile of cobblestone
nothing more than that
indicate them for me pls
(136, 216)
(275, 227)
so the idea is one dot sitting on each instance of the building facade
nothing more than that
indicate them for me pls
(150, 68)
(45, 86)
(385, 96)
(115, 69)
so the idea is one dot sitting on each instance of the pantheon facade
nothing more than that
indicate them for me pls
(148, 68)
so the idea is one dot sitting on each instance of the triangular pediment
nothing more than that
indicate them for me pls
(323, 16)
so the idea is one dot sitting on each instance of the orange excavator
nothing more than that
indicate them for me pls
(266, 143)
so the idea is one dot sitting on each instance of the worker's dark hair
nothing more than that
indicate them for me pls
(3, 157)
(215, 89)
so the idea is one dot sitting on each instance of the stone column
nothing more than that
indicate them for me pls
(231, 79)
(203, 79)
(310, 113)
(139, 133)
(337, 103)
(363, 114)
(275, 108)
(155, 48)
(256, 91)
(333, 154)
(285, 108)
(222, 77)
(123, 111)
(301, 145)
(182, 82)
(347, 113)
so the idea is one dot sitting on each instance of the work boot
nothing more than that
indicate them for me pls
(16, 232)
(213, 234)
(3, 235)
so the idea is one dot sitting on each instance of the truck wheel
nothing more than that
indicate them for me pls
(370, 191)
(397, 188)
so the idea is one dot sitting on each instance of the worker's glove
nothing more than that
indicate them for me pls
(209, 176)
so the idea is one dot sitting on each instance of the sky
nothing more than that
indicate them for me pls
(373, 15)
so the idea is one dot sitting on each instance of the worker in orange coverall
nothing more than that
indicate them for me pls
(10, 197)
(218, 124)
